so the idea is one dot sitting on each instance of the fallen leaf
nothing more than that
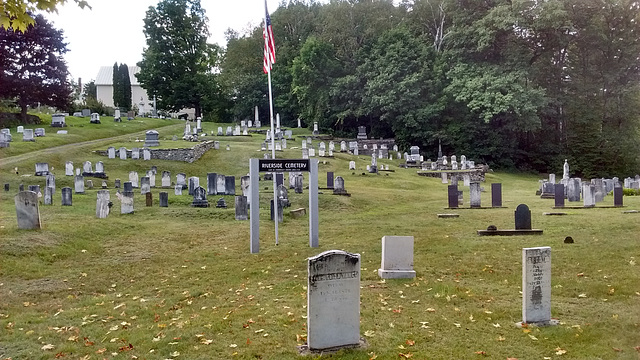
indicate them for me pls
(501, 338)
(617, 350)
(481, 353)
(496, 325)
(533, 337)
(410, 342)
(431, 310)
(373, 356)
(100, 351)
(637, 348)
(406, 356)
(206, 341)
(560, 351)
(510, 358)
(233, 346)
(369, 333)
(174, 354)
(48, 347)
(457, 325)
(582, 295)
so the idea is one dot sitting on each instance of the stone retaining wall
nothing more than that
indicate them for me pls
(184, 154)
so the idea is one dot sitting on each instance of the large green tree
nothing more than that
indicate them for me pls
(32, 67)
(177, 60)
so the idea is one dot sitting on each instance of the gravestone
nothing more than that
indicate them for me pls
(48, 195)
(475, 195)
(599, 190)
(111, 152)
(79, 184)
(68, 168)
(151, 138)
(135, 153)
(164, 199)
(87, 168)
(117, 184)
(333, 300)
(166, 179)
(177, 190)
(329, 179)
(58, 120)
(245, 183)
(90, 184)
(523, 217)
(100, 167)
(338, 186)
(194, 182)
(362, 133)
(588, 195)
(27, 210)
(573, 189)
(102, 204)
(27, 135)
(352, 165)
(211, 183)
(496, 195)
(280, 211)
(34, 188)
(283, 195)
(298, 187)
(104, 184)
(127, 187)
(39, 132)
(443, 175)
(95, 118)
(122, 153)
(221, 204)
(565, 170)
(21, 187)
(279, 179)
(241, 208)
(305, 153)
(149, 199)
(133, 178)
(229, 131)
(146, 154)
(397, 258)
(181, 180)
(559, 195)
(6, 187)
(42, 169)
(617, 196)
(51, 182)
(126, 201)
(221, 184)
(145, 186)
(230, 185)
(552, 178)
(220, 131)
(152, 178)
(67, 196)
(452, 196)
(466, 179)
(536, 285)
(315, 129)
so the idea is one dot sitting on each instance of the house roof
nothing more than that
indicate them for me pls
(105, 75)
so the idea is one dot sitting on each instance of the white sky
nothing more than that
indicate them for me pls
(112, 30)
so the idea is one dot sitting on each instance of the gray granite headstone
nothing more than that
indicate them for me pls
(221, 184)
(42, 169)
(230, 185)
(133, 178)
(123, 153)
(178, 190)
(496, 195)
(102, 204)
(164, 199)
(617, 196)
(111, 152)
(559, 195)
(241, 208)
(48, 195)
(536, 285)
(79, 184)
(452, 196)
(573, 189)
(117, 183)
(338, 186)
(523, 217)
(67, 196)
(333, 300)
(51, 182)
(181, 180)
(145, 186)
(151, 138)
(34, 188)
(27, 135)
(211, 183)
(27, 211)
(68, 168)
(330, 179)
(166, 179)
(126, 201)
(135, 153)
(194, 182)
(100, 167)
(87, 167)
(588, 195)
(474, 195)
(127, 187)
(200, 197)
(146, 154)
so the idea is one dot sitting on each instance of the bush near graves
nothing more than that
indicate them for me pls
(630, 192)
(9, 119)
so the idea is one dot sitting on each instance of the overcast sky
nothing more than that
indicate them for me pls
(112, 30)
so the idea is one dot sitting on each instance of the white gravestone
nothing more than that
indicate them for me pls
(68, 168)
(352, 165)
(87, 167)
(166, 179)
(111, 152)
(27, 210)
(135, 153)
(397, 258)
(146, 153)
(79, 184)
(536, 285)
(152, 178)
(123, 153)
(333, 300)
(133, 178)
(221, 184)
(102, 204)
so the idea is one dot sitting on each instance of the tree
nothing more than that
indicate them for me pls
(32, 66)
(177, 58)
(121, 86)
(117, 86)
(16, 14)
(89, 91)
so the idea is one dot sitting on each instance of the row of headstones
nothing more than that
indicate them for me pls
(455, 196)
(87, 168)
(591, 194)
(135, 153)
(455, 178)
(333, 289)
(443, 164)
(27, 135)
(574, 188)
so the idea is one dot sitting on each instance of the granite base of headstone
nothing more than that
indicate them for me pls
(397, 258)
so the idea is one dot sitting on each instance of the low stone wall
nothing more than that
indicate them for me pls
(184, 154)
(476, 174)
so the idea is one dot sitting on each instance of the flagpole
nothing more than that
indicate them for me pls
(273, 143)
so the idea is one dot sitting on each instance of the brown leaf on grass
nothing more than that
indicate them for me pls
(560, 351)
(510, 358)
(87, 342)
(126, 348)
(248, 341)
(410, 342)
(48, 347)
(60, 355)
(373, 356)
(617, 350)
(637, 348)
(100, 351)
(156, 318)
(406, 355)
(483, 353)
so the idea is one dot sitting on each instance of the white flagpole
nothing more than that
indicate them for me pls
(273, 144)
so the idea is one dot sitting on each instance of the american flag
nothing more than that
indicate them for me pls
(269, 44)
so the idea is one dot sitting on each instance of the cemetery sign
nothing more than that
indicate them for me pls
(275, 165)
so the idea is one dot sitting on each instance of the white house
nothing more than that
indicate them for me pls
(104, 89)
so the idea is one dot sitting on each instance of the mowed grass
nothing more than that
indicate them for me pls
(179, 282)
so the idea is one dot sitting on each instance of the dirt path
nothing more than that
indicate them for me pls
(75, 146)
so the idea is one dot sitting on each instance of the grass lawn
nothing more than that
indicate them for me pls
(180, 283)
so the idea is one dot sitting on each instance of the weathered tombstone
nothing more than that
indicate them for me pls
(245, 183)
(221, 184)
(220, 131)
(111, 152)
(552, 178)
(221, 204)
(146, 154)
(362, 133)
(452, 196)
(27, 135)
(241, 208)
(200, 197)
(51, 182)
(338, 186)
(87, 168)
(178, 190)
(565, 170)
(34, 188)
(599, 191)
(229, 131)
(305, 153)
(152, 178)
(230, 185)
(444, 177)
(102, 204)
(123, 153)
(95, 118)
(68, 168)
(211, 183)
(39, 132)
(166, 179)
(164, 199)
(133, 178)
(48, 195)
(298, 187)
(127, 187)
(333, 300)
(280, 211)
(475, 195)
(67, 196)
(151, 138)
(58, 120)
(397, 258)
(194, 182)
(617, 196)
(149, 199)
(496, 195)
(42, 169)
(588, 195)
(135, 153)
(27, 210)
(21, 187)
(145, 187)
(104, 184)
(559, 195)
(100, 167)
(279, 179)
(352, 165)
(89, 184)
(79, 184)
(329, 179)
(573, 189)
(536, 285)
(523, 217)
(126, 201)
(117, 183)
